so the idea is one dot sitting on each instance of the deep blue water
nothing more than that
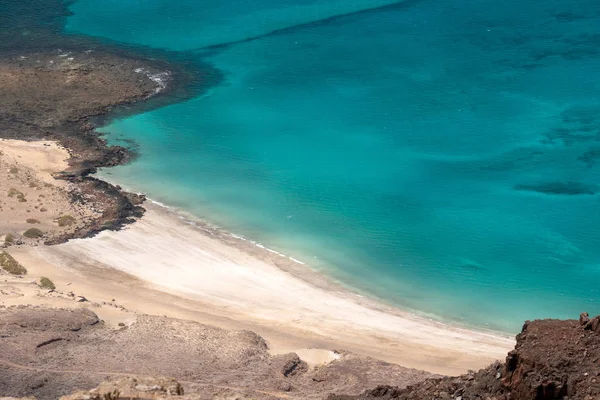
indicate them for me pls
(441, 155)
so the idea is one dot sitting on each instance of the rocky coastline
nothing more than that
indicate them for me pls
(553, 359)
(61, 95)
(61, 87)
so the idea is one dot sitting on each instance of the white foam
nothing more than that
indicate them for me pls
(210, 229)
(160, 78)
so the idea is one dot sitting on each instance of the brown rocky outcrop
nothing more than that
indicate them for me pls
(53, 95)
(593, 324)
(61, 87)
(553, 359)
(291, 364)
(49, 353)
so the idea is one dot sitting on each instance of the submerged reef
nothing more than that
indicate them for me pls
(559, 188)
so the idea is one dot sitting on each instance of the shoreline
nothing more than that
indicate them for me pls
(302, 270)
(171, 267)
(226, 284)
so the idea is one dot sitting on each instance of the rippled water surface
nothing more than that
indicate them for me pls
(441, 155)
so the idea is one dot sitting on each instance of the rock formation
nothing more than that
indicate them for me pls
(553, 359)
(49, 353)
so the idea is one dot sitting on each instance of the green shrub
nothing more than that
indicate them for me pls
(33, 233)
(66, 220)
(46, 283)
(9, 239)
(10, 265)
(12, 192)
(32, 221)
(14, 170)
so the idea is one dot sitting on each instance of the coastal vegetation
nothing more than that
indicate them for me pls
(66, 220)
(9, 239)
(10, 265)
(12, 192)
(33, 233)
(46, 283)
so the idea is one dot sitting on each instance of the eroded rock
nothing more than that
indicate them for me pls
(552, 359)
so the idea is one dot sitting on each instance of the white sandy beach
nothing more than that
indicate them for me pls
(163, 265)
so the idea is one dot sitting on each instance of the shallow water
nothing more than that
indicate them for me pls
(442, 156)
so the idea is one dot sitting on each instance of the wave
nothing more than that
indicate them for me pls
(204, 225)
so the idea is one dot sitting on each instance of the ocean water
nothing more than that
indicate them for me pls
(440, 155)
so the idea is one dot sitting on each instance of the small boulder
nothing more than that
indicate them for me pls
(593, 324)
(291, 365)
(584, 318)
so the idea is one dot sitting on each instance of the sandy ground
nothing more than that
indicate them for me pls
(162, 265)
(30, 197)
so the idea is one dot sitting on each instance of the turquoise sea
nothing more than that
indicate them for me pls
(441, 155)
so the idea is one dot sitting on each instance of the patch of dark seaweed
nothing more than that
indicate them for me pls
(590, 157)
(568, 188)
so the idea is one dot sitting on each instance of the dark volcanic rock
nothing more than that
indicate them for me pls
(60, 87)
(57, 95)
(553, 359)
(52, 96)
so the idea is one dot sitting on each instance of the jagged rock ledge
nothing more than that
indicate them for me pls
(553, 359)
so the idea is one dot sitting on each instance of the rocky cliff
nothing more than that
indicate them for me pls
(553, 359)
